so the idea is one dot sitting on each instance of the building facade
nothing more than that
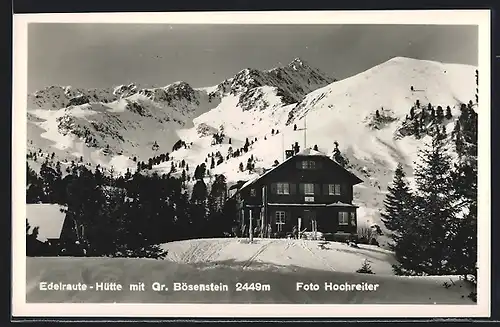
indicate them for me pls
(308, 191)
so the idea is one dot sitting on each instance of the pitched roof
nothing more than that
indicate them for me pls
(48, 218)
(311, 152)
(334, 204)
(306, 153)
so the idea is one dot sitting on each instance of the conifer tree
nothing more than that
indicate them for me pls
(398, 204)
(128, 174)
(199, 208)
(416, 128)
(435, 209)
(247, 144)
(34, 188)
(48, 177)
(464, 174)
(249, 165)
(338, 157)
(216, 200)
(440, 114)
(201, 171)
(33, 246)
(448, 113)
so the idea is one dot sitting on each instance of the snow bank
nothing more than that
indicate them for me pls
(281, 280)
(282, 252)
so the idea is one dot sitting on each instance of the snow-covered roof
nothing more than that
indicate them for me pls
(341, 204)
(48, 218)
(335, 204)
(311, 152)
(253, 180)
(306, 153)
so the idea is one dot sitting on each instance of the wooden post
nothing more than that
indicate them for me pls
(315, 228)
(264, 211)
(261, 222)
(300, 226)
(251, 227)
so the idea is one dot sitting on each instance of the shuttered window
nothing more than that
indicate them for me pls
(309, 164)
(343, 218)
(334, 189)
(282, 188)
(309, 189)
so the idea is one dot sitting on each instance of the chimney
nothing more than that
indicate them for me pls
(288, 154)
(296, 147)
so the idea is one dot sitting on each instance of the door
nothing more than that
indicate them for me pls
(310, 220)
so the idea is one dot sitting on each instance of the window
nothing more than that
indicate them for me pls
(343, 218)
(283, 188)
(333, 189)
(309, 189)
(308, 164)
(280, 220)
(253, 192)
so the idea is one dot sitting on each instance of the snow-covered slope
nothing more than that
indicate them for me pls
(251, 105)
(342, 111)
(111, 126)
(280, 264)
(263, 254)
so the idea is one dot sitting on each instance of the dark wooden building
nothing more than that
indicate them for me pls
(308, 190)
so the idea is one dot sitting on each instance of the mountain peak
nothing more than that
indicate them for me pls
(298, 62)
(403, 59)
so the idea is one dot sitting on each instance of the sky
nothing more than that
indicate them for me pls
(105, 55)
